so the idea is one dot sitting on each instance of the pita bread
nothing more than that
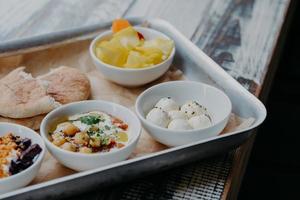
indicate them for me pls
(31, 122)
(23, 96)
(26, 96)
(66, 84)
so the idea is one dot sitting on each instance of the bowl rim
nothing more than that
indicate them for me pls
(184, 132)
(109, 32)
(83, 155)
(40, 156)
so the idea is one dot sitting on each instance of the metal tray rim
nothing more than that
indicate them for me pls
(217, 70)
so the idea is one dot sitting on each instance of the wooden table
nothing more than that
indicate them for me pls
(240, 35)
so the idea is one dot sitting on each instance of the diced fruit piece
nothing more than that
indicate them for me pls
(119, 24)
(116, 121)
(112, 53)
(154, 55)
(25, 143)
(164, 45)
(123, 126)
(128, 37)
(119, 123)
(17, 166)
(136, 60)
(30, 152)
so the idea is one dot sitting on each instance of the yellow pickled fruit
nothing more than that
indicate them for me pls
(111, 52)
(154, 55)
(136, 60)
(164, 45)
(155, 58)
(122, 137)
(128, 37)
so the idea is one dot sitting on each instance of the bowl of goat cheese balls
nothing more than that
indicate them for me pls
(181, 112)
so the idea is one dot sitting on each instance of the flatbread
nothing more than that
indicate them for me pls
(66, 84)
(31, 122)
(23, 96)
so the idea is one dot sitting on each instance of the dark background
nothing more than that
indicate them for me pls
(273, 171)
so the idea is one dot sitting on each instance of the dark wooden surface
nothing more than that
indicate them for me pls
(273, 170)
(240, 35)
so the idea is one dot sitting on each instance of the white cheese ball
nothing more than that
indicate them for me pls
(176, 114)
(158, 117)
(167, 104)
(179, 124)
(200, 121)
(192, 108)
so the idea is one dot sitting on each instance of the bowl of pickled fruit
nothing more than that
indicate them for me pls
(21, 154)
(132, 56)
(90, 134)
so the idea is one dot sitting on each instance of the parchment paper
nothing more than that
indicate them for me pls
(76, 55)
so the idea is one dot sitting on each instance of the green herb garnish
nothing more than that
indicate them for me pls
(90, 132)
(107, 127)
(90, 119)
(95, 131)
(105, 140)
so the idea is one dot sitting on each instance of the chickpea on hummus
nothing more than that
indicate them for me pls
(90, 132)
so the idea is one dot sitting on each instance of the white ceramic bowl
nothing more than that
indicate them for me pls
(24, 177)
(216, 102)
(80, 161)
(132, 76)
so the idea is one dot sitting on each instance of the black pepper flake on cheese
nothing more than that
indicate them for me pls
(208, 116)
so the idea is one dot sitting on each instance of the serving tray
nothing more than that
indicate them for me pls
(194, 64)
